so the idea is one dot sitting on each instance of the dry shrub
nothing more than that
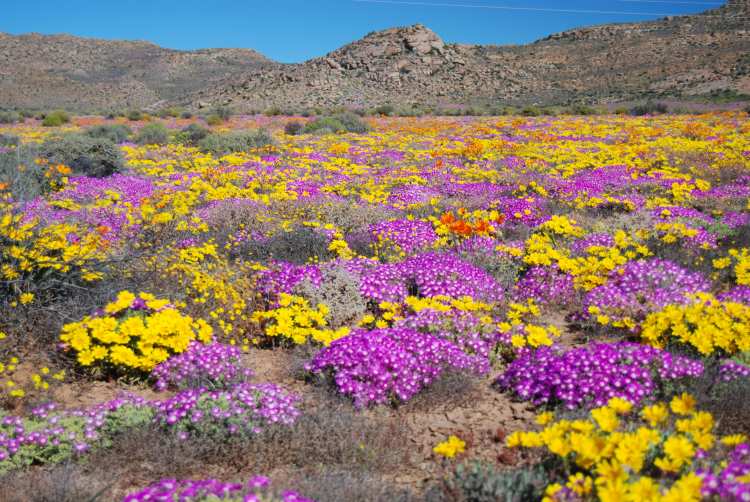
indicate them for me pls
(60, 483)
(452, 390)
(340, 484)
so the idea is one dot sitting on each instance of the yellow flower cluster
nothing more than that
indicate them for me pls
(297, 321)
(28, 250)
(706, 324)
(616, 454)
(672, 232)
(215, 288)
(561, 225)
(10, 386)
(133, 339)
(590, 270)
(535, 336)
(605, 320)
(450, 447)
(742, 265)
(391, 312)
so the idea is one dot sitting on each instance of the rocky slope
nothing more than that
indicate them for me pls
(679, 56)
(44, 71)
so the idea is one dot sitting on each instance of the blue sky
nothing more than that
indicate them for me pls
(295, 30)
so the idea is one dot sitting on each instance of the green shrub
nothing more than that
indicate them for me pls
(9, 117)
(171, 111)
(352, 122)
(323, 125)
(343, 122)
(96, 157)
(135, 115)
(293, 128)
(152, 134)
(531, 111)
(649, 108)
(191, 135)
(116, 133)
(235, 141)
(186, 114)
(213, 120)
(272, 111)
(223, 112)
(581, 109)
(386, 110)
(55, 119)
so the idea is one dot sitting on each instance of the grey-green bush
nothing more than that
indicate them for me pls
(96, 157)
(135, 115)
(8, 140)
(293, 128)
(152, 134)
(339, 290)
(191, 135)
(479, 482)
(649, 108)
(342, 122)
(25, 184)
(223, 112)
(116, 133)
(352, 122)
(235, 141)
(9, 117)
(384, 110)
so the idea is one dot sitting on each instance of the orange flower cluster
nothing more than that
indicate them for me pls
(465, 228)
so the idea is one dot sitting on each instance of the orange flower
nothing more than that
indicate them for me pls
(447, 218)
(482, 227)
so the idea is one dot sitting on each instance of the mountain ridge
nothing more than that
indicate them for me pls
(668, 57)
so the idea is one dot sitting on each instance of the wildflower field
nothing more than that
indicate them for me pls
(433, 308)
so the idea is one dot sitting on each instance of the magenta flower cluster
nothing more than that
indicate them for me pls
(409, 235)
(406, 195)
(429, 274)
(545, 285)
(732, 370)
(283, 276)
(59, 433)
(245, 409)
(729, 484)
(215, 366)
(643, 287)
(529, 211)
(388, 365)
(463, 329)
(579, 246)
(590, 376)
(256, 489)
(738, 294)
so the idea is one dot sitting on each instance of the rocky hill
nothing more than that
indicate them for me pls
(686, 55)
(44, 71)
(677, 56)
